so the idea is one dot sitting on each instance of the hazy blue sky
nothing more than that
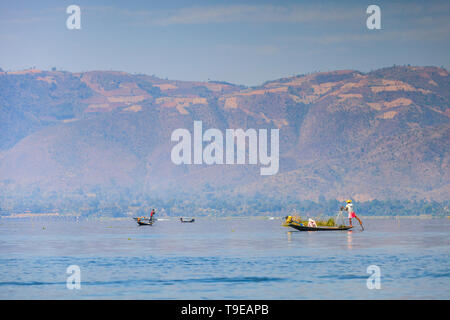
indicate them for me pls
(245, 42)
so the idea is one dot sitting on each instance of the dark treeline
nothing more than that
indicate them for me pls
(125, 203)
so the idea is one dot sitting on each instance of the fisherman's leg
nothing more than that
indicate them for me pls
(360, 223)
(350, 220)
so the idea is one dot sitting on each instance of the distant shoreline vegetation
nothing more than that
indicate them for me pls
(107, 204)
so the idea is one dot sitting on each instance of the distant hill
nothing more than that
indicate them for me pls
(378, 135)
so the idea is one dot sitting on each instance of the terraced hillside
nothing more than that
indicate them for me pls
(382, 134)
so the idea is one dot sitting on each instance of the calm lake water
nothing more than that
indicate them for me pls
(223, 259)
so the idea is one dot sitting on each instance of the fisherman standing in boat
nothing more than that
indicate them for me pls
(351, 213)
(151, 214)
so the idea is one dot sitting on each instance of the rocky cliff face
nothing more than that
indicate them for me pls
(382, 134)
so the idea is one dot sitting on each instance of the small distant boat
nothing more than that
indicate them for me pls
(187, 221)
(306, 228)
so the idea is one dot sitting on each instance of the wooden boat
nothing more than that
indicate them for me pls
(306, 228)
(187, 221)
(144, 221)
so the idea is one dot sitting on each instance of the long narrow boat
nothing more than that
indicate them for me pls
(306, 228)
(187, 221)
(144, 221)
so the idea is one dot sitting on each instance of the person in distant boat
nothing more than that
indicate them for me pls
(152, 214)
(351, 213)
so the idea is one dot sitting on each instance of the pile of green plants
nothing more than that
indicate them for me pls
(329, 223)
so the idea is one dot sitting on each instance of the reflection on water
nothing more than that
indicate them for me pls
(289, 236)
(222, 259)
(349, 239)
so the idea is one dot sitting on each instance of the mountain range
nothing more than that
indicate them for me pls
(378, 135)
